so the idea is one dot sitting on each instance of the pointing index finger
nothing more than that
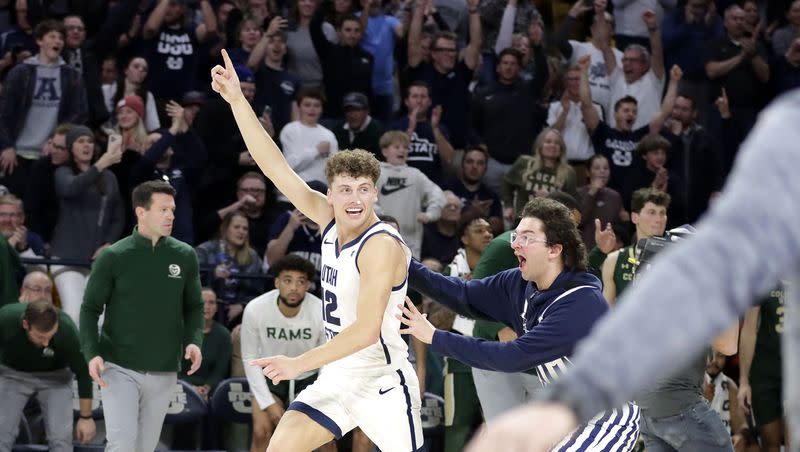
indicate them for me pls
(227, 59)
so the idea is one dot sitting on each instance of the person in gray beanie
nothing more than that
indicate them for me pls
(76, 132)
(90, 213)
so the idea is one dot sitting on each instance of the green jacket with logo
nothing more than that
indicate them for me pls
(151, 297)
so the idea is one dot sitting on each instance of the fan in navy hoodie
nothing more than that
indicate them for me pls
(549, 322)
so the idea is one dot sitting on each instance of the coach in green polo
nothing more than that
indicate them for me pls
(148, 284)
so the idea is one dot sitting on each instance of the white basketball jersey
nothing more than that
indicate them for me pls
(340, 289)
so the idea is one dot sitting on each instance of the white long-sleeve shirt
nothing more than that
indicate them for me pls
(299, 144)
(267, 332)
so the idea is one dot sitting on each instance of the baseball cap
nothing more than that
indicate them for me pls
(193, 98)
(355, 100)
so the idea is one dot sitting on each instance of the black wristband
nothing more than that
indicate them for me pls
(85, 417)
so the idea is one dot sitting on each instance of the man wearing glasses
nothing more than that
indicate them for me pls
(550, 301)
(39, 352)
(12, 225)
(252, 195)
(449, 72)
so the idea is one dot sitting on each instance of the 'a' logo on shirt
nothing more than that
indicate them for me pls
(174, 271)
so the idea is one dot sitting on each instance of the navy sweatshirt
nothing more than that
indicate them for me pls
(548, 327)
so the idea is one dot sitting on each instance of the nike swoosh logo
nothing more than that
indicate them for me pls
(388, 191)
(327, 243)
(382, 392)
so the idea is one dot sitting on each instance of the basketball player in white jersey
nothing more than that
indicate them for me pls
(366, 380)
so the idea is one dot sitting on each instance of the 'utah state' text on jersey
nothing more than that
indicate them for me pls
(341, 278)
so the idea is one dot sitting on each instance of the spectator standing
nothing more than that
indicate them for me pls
(685, 33)
(275, 86)
(83, 60)
(175, 155)
(405, 193)
(136, 356)
(565, 116)
(90, 213)
(641, 75)
(37, 95)
(133, 81)
(738, 64)
(303, 60)
(449, 71)
(618, 143)
(380, 32)
(174, 48)
(306, 144)
(695, 157)
(346, 67)
(507, 114)
(600, 33)
(783, 37)
(629, 29)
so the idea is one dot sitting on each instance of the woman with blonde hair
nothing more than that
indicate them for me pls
(230, 255)
(534, 176)
(131, 129)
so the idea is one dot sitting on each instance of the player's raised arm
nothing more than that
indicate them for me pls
(264, 151)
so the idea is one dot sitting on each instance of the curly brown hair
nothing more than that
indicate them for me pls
(559, 227)
(354, 163)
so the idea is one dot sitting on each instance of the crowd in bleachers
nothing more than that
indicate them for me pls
(474, 107)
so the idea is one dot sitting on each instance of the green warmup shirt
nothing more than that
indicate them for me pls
(152, 302)
(623, 271)
(64, 350)
(217, 351)
(9, 264)
(767, 357)
(497, 257)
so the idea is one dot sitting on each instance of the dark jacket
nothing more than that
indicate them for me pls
(16, 95)
(98, 113)
(344, 69)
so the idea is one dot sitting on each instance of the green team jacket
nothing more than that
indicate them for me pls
(497, 257)
(64, 350)
(152, 303)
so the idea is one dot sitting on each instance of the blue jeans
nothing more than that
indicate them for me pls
(695, 428)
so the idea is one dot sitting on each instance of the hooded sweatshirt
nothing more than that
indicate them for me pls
(404, 192)
(548, 323)
(43, 114)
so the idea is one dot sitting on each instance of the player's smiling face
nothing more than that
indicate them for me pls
(352, 199)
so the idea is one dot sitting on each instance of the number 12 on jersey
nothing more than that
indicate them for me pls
(329, 306)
